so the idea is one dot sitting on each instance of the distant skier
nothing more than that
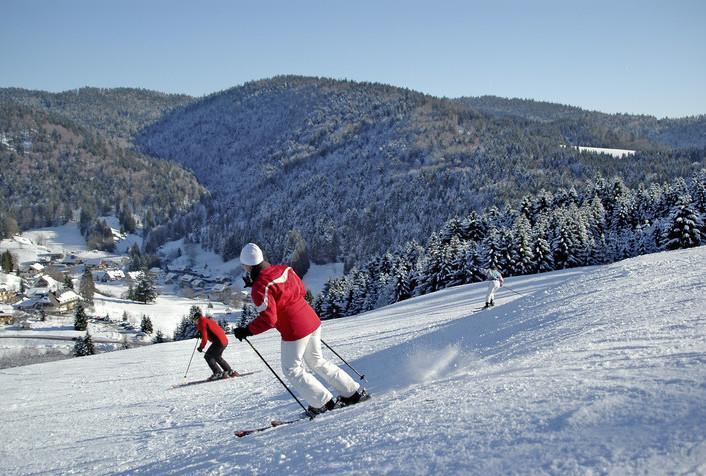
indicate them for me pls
(496, 282)
(278, 294)
(209, 330)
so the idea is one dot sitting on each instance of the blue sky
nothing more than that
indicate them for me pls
(645, 57)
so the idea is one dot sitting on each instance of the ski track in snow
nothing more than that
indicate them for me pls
(596, 371)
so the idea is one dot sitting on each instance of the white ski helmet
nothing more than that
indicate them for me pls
(251, 255)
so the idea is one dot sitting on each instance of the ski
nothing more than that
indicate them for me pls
(273, 424)
(198, 382)
(303, 416)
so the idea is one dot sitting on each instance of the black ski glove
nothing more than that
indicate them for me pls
(241, 333)
(200, 349)
(247, 279)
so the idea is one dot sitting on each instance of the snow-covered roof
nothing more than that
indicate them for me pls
(115, 274)
(68, 296)
(48, 282)
(134, 275)
(219, 288)
(36, 267)
(10, 282)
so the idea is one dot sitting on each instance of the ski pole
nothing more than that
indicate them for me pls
(192, 358)
(362, 377)
(311, 416)
(510, 289)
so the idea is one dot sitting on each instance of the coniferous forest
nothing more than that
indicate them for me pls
(603, 222)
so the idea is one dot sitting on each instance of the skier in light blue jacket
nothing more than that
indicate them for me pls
(496, 282)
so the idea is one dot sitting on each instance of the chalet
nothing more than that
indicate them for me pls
(170, 277)
(48, 284)
(10, 286)
(66, 301)
(104, 276)
(36, 268)
(7, 315)
(219, 291)
(186, 279)
(6, 295)
(196, 283)
(34, 302)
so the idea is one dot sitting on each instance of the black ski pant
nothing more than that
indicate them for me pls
(214, 358)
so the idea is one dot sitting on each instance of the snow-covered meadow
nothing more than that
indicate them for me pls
(591, 371)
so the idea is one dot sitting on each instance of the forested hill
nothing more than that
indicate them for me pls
(357, 168)
(51, 168)
(597, 129)
(117, 112)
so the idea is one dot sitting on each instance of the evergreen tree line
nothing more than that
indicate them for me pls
(606, 222)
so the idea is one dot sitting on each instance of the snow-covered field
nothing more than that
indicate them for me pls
(617, 153)
(593, 371)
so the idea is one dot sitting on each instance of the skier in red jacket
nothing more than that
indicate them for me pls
(278, 294)
(209, 330)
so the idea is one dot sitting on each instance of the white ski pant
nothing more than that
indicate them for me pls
(306, 352)
(494, 286)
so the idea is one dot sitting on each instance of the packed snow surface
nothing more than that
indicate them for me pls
(591, 371)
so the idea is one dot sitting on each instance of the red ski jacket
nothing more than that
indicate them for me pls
(210, 330)
(278, 294)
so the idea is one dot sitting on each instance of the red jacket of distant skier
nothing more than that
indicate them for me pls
(278, 294)
(210, 330)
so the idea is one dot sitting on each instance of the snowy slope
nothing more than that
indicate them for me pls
(595, 371)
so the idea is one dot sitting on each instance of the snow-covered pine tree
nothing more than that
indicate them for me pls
(87, 287)
(146, 324)
(68, 282)
(523, 255)
(185, 329)
(145, 291)
(697, 191)
(7, 262)
(493, 249)
(358, 291)
(398, 286)
(473, 227)
(80, 318)
(684, 226)
(248, 313)
(84, 346)
(562, 245)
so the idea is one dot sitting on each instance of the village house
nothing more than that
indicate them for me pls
(65, 301)
(47, 284)
(35, 269)
(7, 316)
(10, 286)
(104, 276)
(219, 292)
